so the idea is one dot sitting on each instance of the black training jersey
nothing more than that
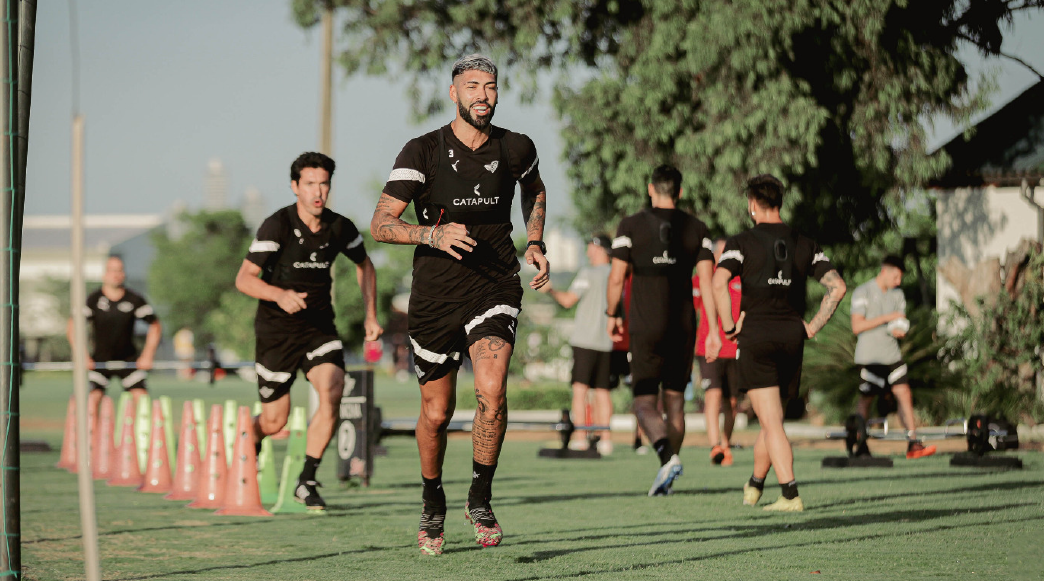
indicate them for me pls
(773, 262)
(293, 257)
(663, 246)
(448, 182)
(113, 324)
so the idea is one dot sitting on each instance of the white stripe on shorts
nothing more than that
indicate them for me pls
(871, 378)
(98, 378)
(134, 378)
(497, 310)
(431, 356)
(324, 349)
(899, 372)
(271, 376)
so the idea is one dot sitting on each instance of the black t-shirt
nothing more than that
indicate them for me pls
(452, 183)
(293, 257)
(113, 324)
(663, 246)
(774, 262)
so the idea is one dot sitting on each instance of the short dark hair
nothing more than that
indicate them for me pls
(766, 190)
(893, 261)
(473, 62)
(311, 159)
(667, 180)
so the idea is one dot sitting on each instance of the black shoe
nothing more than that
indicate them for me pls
(307, 494)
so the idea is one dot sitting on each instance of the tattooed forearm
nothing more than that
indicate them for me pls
(835, 292)
(387, 226)
(535, 224)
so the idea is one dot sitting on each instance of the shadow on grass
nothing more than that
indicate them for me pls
(151, 529)
(177, 574)
(761, 530)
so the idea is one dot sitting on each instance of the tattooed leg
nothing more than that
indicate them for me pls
(490, 357)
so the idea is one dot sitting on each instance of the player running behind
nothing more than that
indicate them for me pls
(663, 245)
(773, 262)
(879, 320)
(718, 378)
(287, 268)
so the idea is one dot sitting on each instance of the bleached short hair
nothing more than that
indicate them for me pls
(474, 62)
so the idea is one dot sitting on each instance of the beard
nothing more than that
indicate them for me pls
(465, 114)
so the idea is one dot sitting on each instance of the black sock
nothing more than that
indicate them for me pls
(308, 473)
(663, 450)
(432, 493)
(790, 490)
(257, 448)
(756, 482)
(481, 483)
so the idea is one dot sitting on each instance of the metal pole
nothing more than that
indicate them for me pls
(88, 521)
(10, 553)
(326, 84)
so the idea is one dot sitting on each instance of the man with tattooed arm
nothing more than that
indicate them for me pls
(466, 293)
(773, 262)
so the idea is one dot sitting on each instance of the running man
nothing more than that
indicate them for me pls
(287, 268)
(467, 292)
(592, 347)
(879, 320)
(718, 378)
(662, 244)
(773, 262)
(112, 311)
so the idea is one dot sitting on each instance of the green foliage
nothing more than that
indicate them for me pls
(394, 263)
(997, 355)
(191, 273)
(231, 324)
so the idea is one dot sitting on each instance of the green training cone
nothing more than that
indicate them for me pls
(292, 465)
(267, 479)
(124, 398)
(143, 430)
(168, 428)
(229, 425)
(201, 423)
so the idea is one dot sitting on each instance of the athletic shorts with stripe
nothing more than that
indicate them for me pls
(718, 374)
(278, 357)
(665, 360)
(878, 378)
(441, 332)
(129, 378)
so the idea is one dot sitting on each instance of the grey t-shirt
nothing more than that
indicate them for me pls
(877, 345)
(589, 325)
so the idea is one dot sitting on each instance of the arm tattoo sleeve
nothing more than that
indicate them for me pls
(535, 221)
(386, 226)
(835, 292)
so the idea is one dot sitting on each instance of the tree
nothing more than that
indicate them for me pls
(192, 271)
(830, 95)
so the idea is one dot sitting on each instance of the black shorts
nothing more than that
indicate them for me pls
(719, 374)
(619, 367)
(591, 368)
(878, 378)
(441, 332)
(129, 378)
(767, 362)
(278, 357)
(657, 360)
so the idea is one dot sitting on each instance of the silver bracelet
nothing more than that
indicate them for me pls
(430, 234)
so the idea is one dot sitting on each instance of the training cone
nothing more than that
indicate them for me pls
(143, 429)
(242, 495)
(267, 479)
(201, 424)
(157, 472)
(103, 451)
(210, 491)
(186, 475)
(121, 407)
(229, 427)
(168, 429)
(67, 461)
(292, 466)
(126, 472)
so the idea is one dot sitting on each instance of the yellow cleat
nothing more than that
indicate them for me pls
(786, 505)
(751, 495)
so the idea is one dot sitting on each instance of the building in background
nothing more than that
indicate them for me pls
(215, 194)
(253, 207)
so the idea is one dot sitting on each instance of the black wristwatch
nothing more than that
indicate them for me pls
(539, 244)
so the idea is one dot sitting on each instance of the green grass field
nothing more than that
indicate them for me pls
(561, 519)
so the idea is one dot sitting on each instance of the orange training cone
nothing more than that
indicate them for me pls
(243, 497)
(126, 472)
(186, 476)
(67, 461)
(210, 492)
(157, 466)
(103, 451)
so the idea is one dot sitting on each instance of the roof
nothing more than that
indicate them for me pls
(1005, 148)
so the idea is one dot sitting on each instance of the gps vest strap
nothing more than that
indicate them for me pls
(469, 201)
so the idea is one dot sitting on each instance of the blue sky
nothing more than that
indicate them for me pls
(166, 86)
